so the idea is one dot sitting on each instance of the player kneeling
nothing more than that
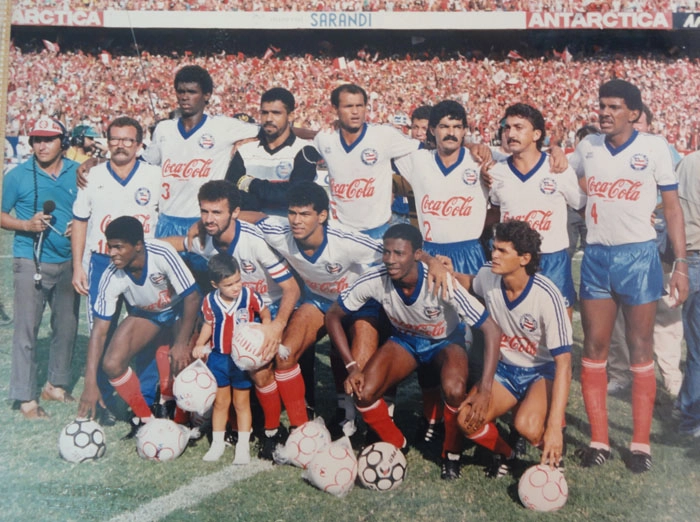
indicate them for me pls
(426, 330)
(224, 309)
(534, 370)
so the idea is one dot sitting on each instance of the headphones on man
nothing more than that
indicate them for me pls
(79, 139)
(65, 138)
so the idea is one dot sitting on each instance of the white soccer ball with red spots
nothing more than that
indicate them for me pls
(195, 388)
(303, 443)
(542, 488)
(333, 469)
(82, 440)
(161, 440)
(381, 466)
(247, 346)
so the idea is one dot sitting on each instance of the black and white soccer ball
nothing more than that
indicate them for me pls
(82, 440)
(381, 466)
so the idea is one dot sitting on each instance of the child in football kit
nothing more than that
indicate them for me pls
(223, 309)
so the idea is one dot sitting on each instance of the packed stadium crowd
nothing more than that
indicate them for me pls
(560, 6)
(77, 86)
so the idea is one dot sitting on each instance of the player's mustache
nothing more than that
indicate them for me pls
(451, 138)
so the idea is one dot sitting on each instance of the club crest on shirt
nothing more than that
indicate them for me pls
(470, 177)
(639, 161)
(548, 186)
(247, 266)
(242, 316)
(206, 141)
(528, 322)
(158, 279)
(334, 268)
(369, 156)
(431, 312)
(142, 196)
(284, 169)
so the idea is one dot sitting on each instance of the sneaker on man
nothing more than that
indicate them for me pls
(639, 462)
(427, 432)
(500, 466)
(269, 442)
(592, 457)
(450, 467)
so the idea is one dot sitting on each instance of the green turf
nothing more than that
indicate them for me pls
(36, 485)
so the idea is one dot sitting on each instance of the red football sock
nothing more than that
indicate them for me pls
(643, 395)
(489, 438)
(594, 386)
(291, 386)
(181, 416)
(164, 375)
(432, 404)
(128, 387)
(453, 436)
(269, 399)
(377, 417)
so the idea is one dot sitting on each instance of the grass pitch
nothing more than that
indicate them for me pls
(37, 485)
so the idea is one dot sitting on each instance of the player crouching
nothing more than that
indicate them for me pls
(426, 330)
(160, 294)
(534, 370)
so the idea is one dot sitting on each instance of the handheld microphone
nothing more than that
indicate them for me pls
(48, 207)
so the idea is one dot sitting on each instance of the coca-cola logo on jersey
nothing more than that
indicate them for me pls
(470, 177)
(259, 286)
(518, 344)
(142, 196)
(454, 206)
(206, 141)
(144, 219)
(196, 168)
(369, 156)
(537, 219)
(430, 330)
(622, 189)
(331, 287)
(247, 267)
(548, 186)
(639, 161)
(359, 188)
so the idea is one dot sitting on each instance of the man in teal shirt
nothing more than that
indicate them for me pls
(41, 192)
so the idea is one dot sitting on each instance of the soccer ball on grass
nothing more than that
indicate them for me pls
(82, 440)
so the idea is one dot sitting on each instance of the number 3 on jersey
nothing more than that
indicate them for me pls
(165, 191)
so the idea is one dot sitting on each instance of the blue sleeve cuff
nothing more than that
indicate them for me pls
(666, 188)
(481, 320)
(561, 350)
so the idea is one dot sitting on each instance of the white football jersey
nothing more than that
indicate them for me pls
(538, 197)
(535, 326)
(450, 202)
(422, 314)
(338, 262)
(360, 174)
(164, 281)
(261, 269)
(622, 186)
(189, 159)
(107, 197)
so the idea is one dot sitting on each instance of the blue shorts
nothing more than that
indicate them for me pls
(227, 373)
(371, 308)
(377, 232)
(631, 273)
(557, 267)
(517, 379)
(467, 256)
(179, 226)
(423, 350)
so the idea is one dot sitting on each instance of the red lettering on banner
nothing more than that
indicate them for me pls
(537, 219)
(596, 20)
(455, 206)
(259, 286)
(330, 287)
(518, 344)
(359, 188)
(196, 168)
(621, 189)
(78, 18)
